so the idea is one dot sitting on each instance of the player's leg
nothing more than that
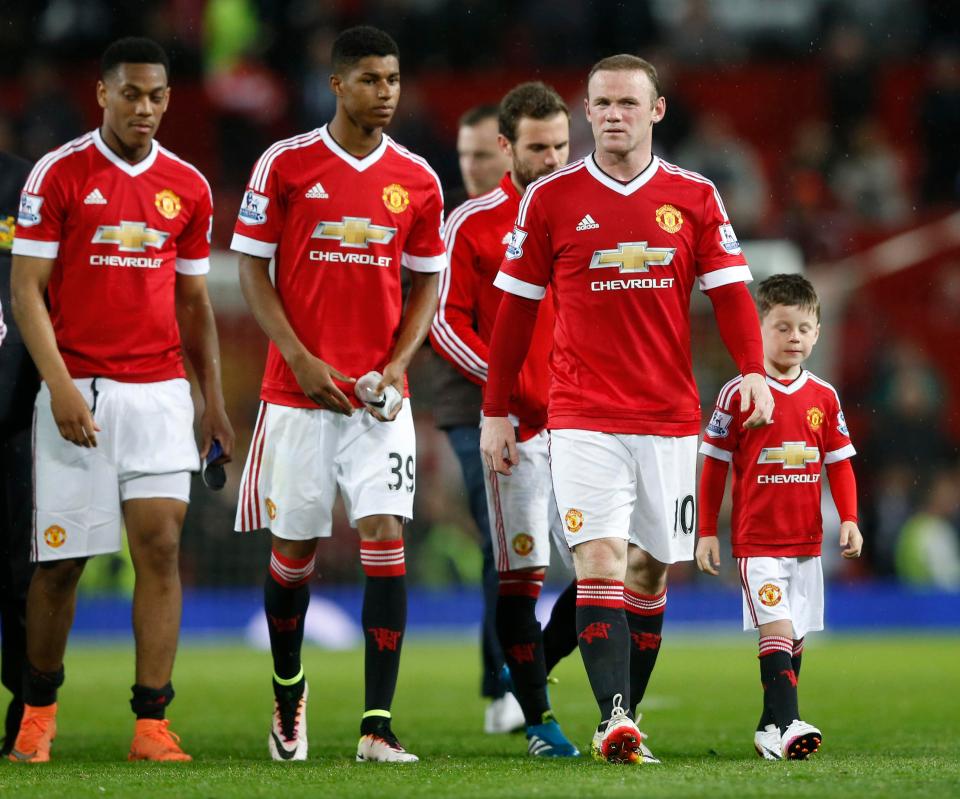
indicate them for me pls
(644, 599)
(560, 632)
(376, 466)
(521, 508)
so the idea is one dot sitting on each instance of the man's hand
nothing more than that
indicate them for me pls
(316, 379)
(708, 555)
(72, 415)
(755, 391)
(214, 424)
(393, 374)
(851, 540)
(496, 438)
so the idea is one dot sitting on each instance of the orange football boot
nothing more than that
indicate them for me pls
(153, 740)
(38, 728)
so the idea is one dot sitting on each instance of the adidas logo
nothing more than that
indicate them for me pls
(95, 198)
(587, 223)
(317, 192)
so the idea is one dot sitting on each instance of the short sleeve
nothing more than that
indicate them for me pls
(527, 265)
(836, 438)
(193, 244)
(41, 215)
(262, 211)
(424, 251)
(722, 433)
(719, 258)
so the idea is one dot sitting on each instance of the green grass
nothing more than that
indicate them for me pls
(886, 705)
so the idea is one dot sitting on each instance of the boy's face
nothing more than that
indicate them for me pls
(789, 333)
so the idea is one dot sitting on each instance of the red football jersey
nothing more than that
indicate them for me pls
(339, 229)
(476, 235)
(119, 233)
(777, 468)
(622, 259)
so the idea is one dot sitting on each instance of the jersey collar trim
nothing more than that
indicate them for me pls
(625, 189)
(794, 387)
(131, 169)
(360, 164)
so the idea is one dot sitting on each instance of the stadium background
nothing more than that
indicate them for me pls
(830, 127)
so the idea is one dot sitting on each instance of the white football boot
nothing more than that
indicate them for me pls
(800, 740)
(621, 741)
(767, 742)
(383, 748)
(288, 733)
(504, 715)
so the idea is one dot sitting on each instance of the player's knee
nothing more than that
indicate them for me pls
(159, 555)
(601, 559)
(61, 575)
(645, 574)
(380, 528)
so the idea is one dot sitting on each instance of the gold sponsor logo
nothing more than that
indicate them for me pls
(669, 218)
(792, 455)
(523, 544)
(632, 256)
(396, 198)
(574, 520)
(130, 236)
(770, 594)
(168, 204)
(354, 231)
(55, 535)
(271, 508)
(815, 418)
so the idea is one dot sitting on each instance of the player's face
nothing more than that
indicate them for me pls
(134, 98)
(482, 164)
(789, 333)
(622, 108)
(369, 90)
(542, 146)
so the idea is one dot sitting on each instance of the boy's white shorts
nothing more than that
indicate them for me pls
(523, 510)
(299, 457)
(782, 589)
(636, 487)
(145, 450)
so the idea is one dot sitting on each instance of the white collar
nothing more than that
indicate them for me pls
(360, 164)
(131, 169)
(799, 382)
(621, 188)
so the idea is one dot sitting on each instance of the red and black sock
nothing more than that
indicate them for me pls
(560, 634)
(766, 715)
(604, 640)
(151, 703)
(522, 640)
(40, 687)
(384, 619)
(645, 620)
(286, 596)
(778, 679)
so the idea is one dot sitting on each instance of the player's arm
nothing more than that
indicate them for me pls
(843, 487)
(740, 330)
(28, 282)
(313, 375)
(713, 480)
(198, 332)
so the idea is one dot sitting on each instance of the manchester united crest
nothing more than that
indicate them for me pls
(523, 544)
(55, 535)
(574, 520)
(168, 204)
(669, 218)
(770, 594)
(396, 198)
(815, 418)
(271, 508)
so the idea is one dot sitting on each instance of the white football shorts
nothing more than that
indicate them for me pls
(299, 457)
(782, 589)
(636, 487)
(523, 511)
(145, 450)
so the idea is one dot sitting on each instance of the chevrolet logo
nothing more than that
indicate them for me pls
(130, 236)
(633, 256)
(792, 455)
(354, 231)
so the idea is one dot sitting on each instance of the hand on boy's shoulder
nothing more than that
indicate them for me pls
(755, 391)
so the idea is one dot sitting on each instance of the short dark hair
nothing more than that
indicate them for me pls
(535, 100)
(624, 62)
(359, 42)
(791, 290)
(477, 114)
(133, 50)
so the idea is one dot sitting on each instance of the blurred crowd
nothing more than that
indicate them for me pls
(831, 123)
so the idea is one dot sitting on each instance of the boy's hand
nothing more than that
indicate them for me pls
(708, 555)
(851, 540)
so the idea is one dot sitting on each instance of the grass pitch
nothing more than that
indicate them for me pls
(886, 705)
